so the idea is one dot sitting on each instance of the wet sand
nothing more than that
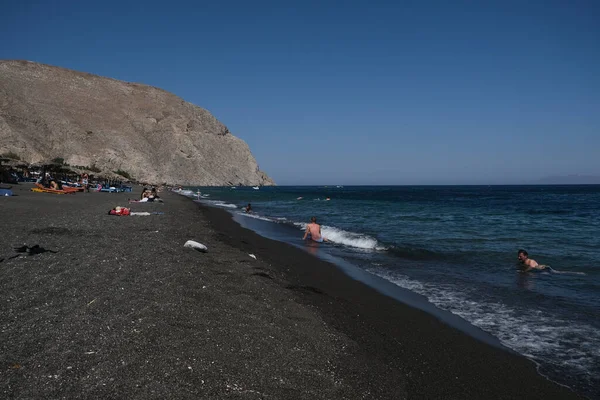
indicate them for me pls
(117, 308)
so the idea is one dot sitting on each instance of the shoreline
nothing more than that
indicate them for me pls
(383, 286)
(123, 310)
(336, 274)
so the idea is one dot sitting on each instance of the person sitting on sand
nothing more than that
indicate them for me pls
(55, 185)
(248, 209)
(148, 196)
(528, 263)
(153, 195)
(45, 180)
(314, 230)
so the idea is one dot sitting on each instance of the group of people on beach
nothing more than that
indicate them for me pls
(149, 195)
(49, 182)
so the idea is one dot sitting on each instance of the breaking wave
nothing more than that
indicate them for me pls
(556, 342)
(346, 238)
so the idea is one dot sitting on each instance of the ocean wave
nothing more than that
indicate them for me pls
(191, 193)
(416, 253)
(257, 216)
(346, 238)
(185, 192)
(547, 339)
(219, 203)
(547, 212)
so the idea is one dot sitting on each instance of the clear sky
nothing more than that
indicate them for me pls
(354, 92)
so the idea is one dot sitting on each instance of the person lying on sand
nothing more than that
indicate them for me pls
(119, 211)
(314, 230)
(528, 263)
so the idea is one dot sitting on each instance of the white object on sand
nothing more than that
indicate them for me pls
(195, 245)
(141, 213)
(252, 255)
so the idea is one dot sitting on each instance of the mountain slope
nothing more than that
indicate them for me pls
(48, 112)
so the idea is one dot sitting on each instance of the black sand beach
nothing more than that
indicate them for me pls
(117, 308)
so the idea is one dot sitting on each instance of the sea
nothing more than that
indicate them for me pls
(452, 251)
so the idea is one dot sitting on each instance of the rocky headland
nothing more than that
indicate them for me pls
(108, 125)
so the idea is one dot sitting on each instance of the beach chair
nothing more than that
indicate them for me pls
(39, 188)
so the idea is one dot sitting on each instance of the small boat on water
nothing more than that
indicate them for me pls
(255, 187)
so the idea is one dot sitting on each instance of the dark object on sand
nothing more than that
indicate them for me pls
(33, 250)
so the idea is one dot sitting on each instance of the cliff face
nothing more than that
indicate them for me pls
(48, 112)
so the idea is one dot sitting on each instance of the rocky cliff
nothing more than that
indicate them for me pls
(154, 136)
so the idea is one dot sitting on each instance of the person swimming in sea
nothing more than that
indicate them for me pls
(248, 209)
(528, 264)
(314, 230)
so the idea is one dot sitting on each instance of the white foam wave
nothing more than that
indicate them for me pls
(555, 271)
(191, 193)
(185, 192)
(256, 216)
(220, 203)
(346, 238)
(532, 333)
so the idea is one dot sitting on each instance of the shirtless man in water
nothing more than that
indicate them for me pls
(314, 230)
(528, 263)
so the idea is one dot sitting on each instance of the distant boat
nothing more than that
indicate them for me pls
(233, 187)
(255, 187)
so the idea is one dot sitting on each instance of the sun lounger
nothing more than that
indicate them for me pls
(72, 189)
(41, 189)
(69, 188)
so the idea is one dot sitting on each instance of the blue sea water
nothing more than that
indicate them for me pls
(456, 246)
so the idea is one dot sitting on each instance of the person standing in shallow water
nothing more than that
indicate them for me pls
(314, 230)
(528, 263)
(248, 209)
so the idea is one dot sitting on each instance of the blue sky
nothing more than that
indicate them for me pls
(354, 92)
